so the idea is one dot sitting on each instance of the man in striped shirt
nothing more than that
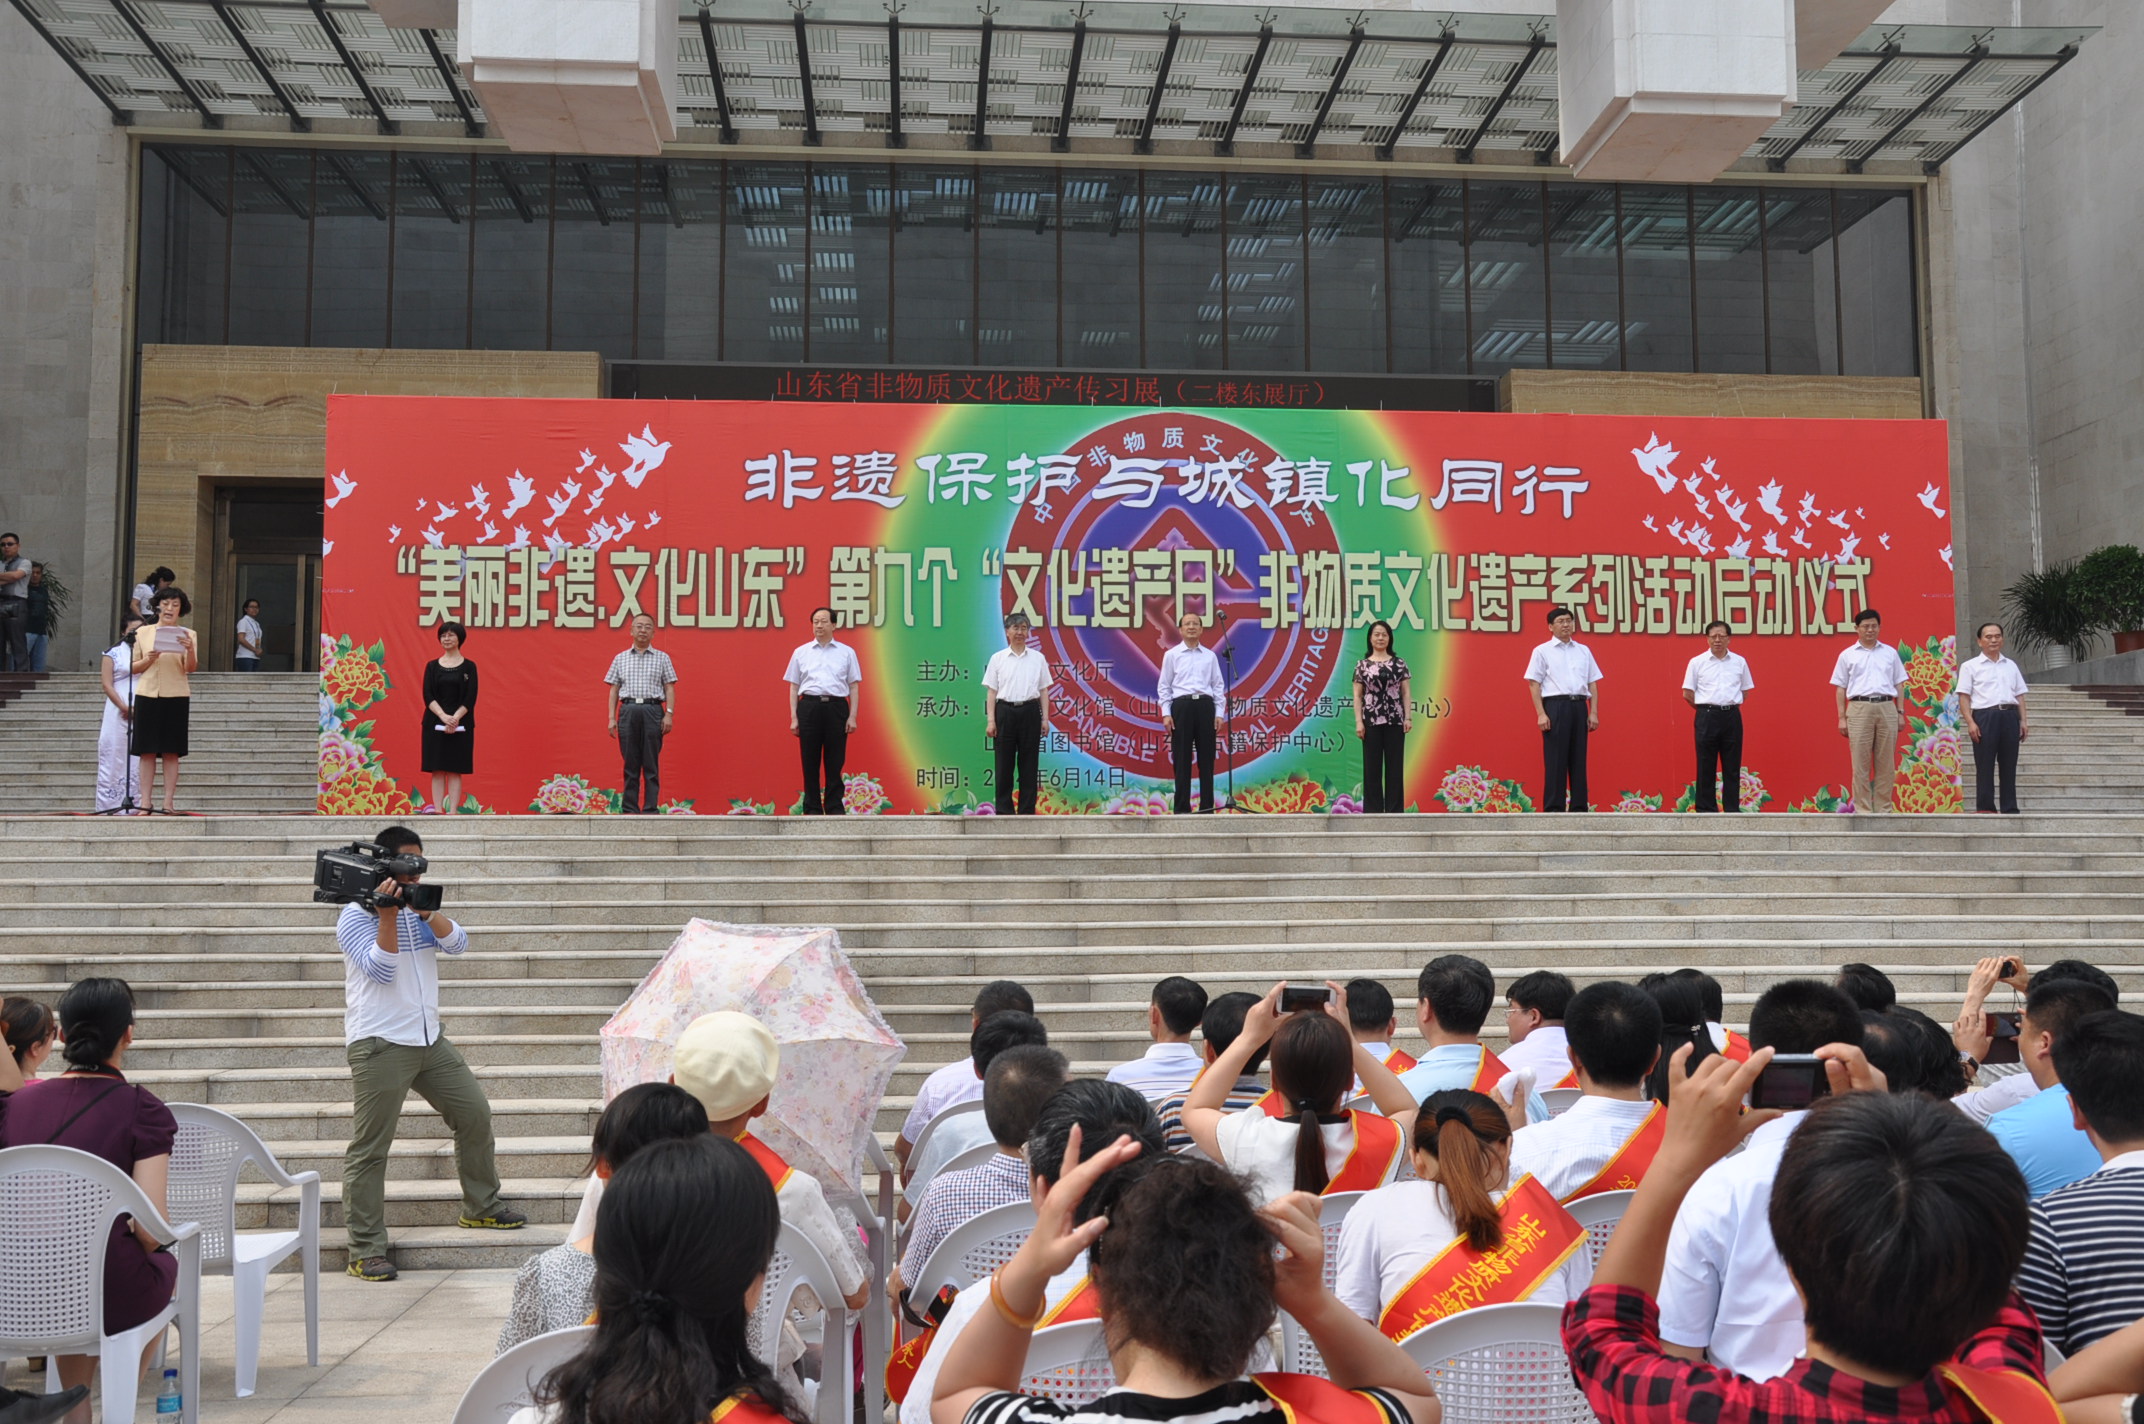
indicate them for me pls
(2084, 1264)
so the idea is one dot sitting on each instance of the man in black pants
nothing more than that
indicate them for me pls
(1991, 699)
(643, 699)
(1564, 682)
(823, 676)
(1016, 714)
(1713, 684)
(1188, 690)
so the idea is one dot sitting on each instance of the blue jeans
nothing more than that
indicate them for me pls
(38, 645)
(244, 664)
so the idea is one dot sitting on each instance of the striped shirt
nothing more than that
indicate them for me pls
(2084, 1263)
(641, 674)
(1237, 1402)
(392, 996)
(1170, 1110)
(955, 1198)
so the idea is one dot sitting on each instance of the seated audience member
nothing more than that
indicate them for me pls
(1011, 1029)
(91, 1107)
(1970, 1032)
(1455, 992)
(1021, 1080)
(1171, 1063)
(2084, 1266)
(2104, 1384)
(1534, 1010)
(1683, 1021)
(1869, 987)
(30, 1029)
(682, 1245)
(1605, 1140)
(1941, 1073)
(1893, 1048)
(1223, 1020)
(1724, 1039)
(1371, 1018)
(1186, 1276)
(1899, 1222)
(1298, 1137)
(1407, 1244)
(1726, 1295)
(2041, 1132)
(958, 1082)
(1103, 1114)
(556, 1288)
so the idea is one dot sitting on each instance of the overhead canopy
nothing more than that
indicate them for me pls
(1423, 86)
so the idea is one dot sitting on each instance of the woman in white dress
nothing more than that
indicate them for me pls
(114, 769)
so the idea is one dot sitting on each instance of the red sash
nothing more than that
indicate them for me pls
(1370, 1161)
(1623, 1172)
(1312, 1399)
(1568, 1080)
(2003, 1396)
(745, 1409)
(1737, 1047)
(1539, 1236)
(1274, 1105)
(769, 1160)
(1080, 1303)
(1399, 1060)
(1490, 1073)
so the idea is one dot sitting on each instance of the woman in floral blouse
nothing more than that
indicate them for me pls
(1384, 715)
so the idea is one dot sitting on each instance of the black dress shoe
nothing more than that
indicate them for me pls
(19, 1408)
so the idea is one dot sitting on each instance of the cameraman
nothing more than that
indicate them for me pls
(393, 1040)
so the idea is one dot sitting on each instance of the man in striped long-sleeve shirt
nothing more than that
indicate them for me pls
(395, 1045)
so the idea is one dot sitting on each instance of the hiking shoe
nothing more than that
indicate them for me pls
(501, 1219)
(19, 1408)
(374, 1268)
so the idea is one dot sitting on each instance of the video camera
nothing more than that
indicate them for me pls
(351, 876)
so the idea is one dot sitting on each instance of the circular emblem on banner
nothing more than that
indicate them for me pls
(1172, 513)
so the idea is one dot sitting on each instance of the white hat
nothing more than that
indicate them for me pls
(728, 1061)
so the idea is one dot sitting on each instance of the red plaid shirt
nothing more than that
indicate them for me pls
(1612, 1334)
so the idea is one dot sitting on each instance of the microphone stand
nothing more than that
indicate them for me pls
(1228, 714)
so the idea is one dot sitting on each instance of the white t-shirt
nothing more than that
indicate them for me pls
(1569, 1151)
(1393, 1232)
(1717, 682)
(1545, 1050)
(1021, 678)
(1563, 669)
(955, 1083)
(1869, 672)
(823, 672)
(1263, 1149)
(1725, 1288)
(249, 629)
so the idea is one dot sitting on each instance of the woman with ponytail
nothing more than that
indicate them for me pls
(92, 1108)
(1299, 1137)
(683, 1237)
(1406, 1246)
(1682, 1021)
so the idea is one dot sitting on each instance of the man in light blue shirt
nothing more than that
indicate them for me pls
(1456, 992)
(1170, 1063)
(2040, 1132)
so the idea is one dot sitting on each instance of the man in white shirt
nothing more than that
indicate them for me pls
(966, 1131)
(1991, 699)
(1564, 682)
(1374, 1024)
(1714, 683)
(1170, 1065)
(396, 1045)
(1725, 1295)
(1865, 683)
(1595, 1145)
(1189, 688)
(960, 1081)
(1534, 1007)
(1016, 713)
(823, 676)
(248, 656)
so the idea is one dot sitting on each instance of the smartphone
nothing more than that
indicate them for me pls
(1790, 1081)
(2003, 1030)
(1296, 997)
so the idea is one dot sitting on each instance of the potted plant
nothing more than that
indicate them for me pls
(2047, 610)
(2110, 582)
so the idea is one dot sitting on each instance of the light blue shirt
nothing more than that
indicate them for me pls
(2049, 1148)
(1453, 1065)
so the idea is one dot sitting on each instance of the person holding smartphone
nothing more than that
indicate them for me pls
(164, 655)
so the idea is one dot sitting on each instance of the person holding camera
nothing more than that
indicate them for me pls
(395, 1045)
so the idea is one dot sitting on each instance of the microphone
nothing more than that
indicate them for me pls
(1220, 616)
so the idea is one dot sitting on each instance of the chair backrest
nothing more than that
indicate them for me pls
(973, 1249)
(1598, 1214)
(1297, 1354)
(1559, 1100)
(1069, 1364)
(56, 1211)
(972, 1105)
(212, 1148)
(509, 1382)
(798, 1265)
(1500, 1364)
(968, 1157)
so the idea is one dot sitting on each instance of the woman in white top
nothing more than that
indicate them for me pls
(1462, 1156)
(1298, 1138)
(248, 656)
(115, 771)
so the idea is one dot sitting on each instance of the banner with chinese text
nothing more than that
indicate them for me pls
(544, 526)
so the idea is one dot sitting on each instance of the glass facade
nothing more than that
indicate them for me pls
(963, 264)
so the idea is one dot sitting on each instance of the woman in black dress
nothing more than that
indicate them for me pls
(449, 719)
(1384, 715)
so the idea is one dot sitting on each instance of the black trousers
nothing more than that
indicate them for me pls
(1563, 753)
(640, 738)
(1996, 751)
(823, 737)
(14, 634)
(1019, 746)
(1384, 757)
(1719, 748)
(1194, 733)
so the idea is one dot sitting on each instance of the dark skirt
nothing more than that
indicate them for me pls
(449, 751)
(160, 726)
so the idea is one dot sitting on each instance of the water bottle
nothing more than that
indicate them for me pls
(167, 1398)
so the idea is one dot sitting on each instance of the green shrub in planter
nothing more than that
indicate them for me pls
(2110, 584)
(2047, 610)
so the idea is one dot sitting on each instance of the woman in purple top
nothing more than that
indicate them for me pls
(1384, 714)
(92, 1108)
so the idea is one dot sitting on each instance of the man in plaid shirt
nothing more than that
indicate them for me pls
(1902, 1223)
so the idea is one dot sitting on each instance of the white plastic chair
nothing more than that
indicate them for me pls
(211, 1150)
(877, 1223)
(1559, 1100)
(1598, 1214)
(973, 1249)
(1069, 1364)
(798, 1265)
(974, 1156)
(56, 1211)
(1297, 1354)
(972, 1105)
(1500, 1364)
(509, 1382)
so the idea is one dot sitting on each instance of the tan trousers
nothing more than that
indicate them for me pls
(1872, 739)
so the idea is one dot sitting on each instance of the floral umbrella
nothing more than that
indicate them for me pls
(838, 1052)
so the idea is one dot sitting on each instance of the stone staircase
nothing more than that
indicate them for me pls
(2085, 751)
(240, 982)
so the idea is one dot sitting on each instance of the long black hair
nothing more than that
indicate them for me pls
(640, 1115)
(1682, 1020)
(685, 1228)
(94, 1015)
